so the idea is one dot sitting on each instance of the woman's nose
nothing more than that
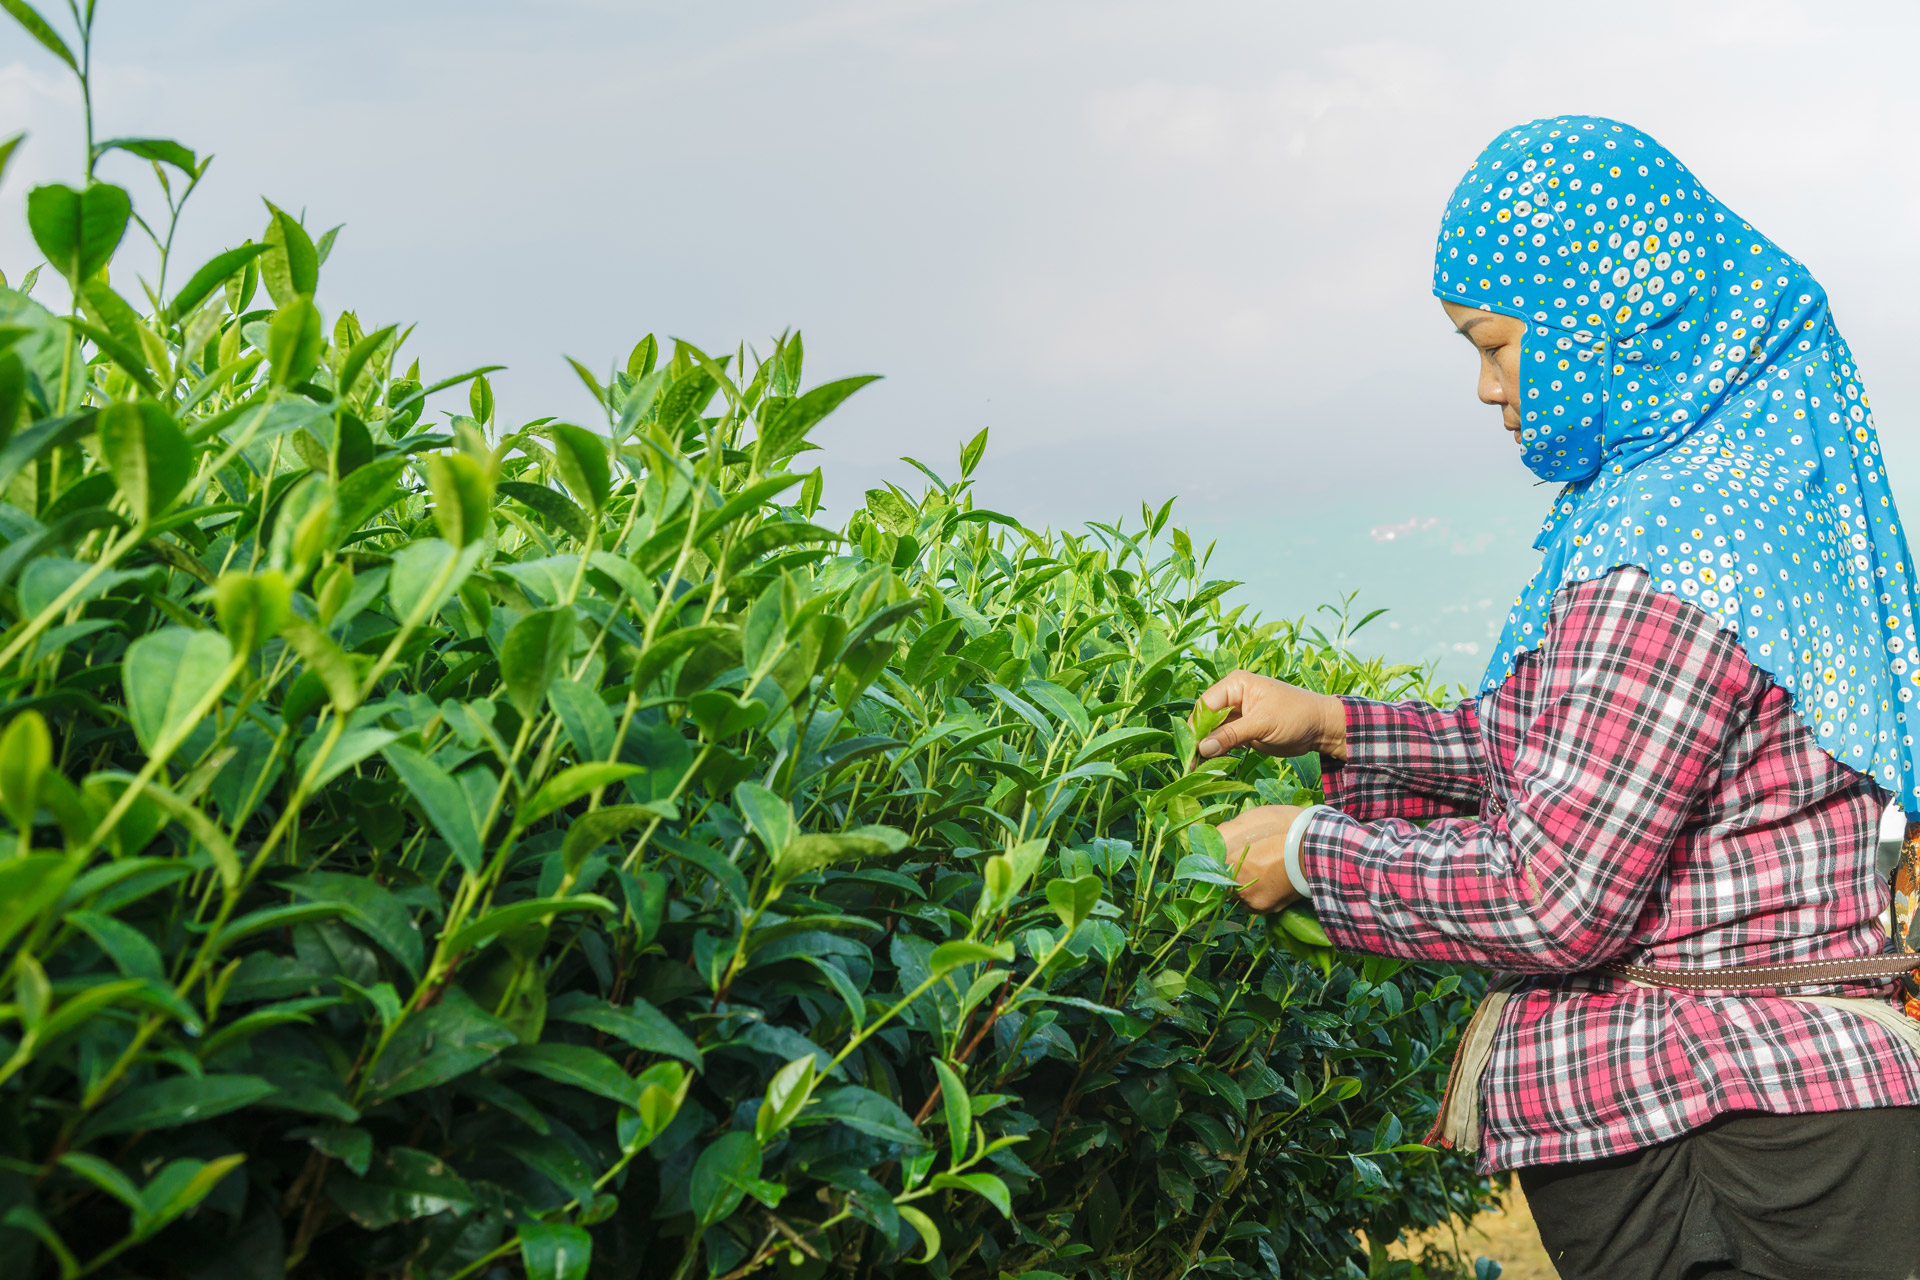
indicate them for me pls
(1491, 392)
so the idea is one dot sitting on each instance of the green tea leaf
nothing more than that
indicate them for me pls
(569, 785)
(368, 491)
(665, 650)
(1062, 703)
(252, 607)
(1205, 719)
(865, 1111)
(534, 654)
(158, 150)
(290, 267)
(441, 799)
(970, 456)
(767, 815)
(780, 437)
(1073, 900)
(1303, 925)
(480, 400)
(148, 454)
(579, 1066)
(462, 497)
(958, 1108)
(359, 356)
(1204, 868)
(325, 661)
(295, 339)
(728, 1160)
(553, 1160)
(662, 1087)
(929, 1233)
(26, 749)
(108, 309)
(38, 27)
(178, 1187)
(373, 910)
(13, 393)
(130, 357)
(588, 722)
(106, 1177)
(76, 230)
(550, 506)
(811, 852)
(402, 1185)
(749, 499)
(642, 1026)
(28, 885)
(788, 1091)
(351, 1147)
(131, 951)
(176, 1101)
(211, 276)
(507, 919)
(554, 1251)
(425, 576)
(591, 830)
(270, 918)
(167, 674)
(949, 956)
(722, 715)
(354, 746)
(438, 1044)
(584, 464)
(640, 360)
(985, 1185)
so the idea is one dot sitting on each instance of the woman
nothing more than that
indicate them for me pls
(1678, 757)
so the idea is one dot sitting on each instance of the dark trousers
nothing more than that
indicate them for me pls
(1829, 1196)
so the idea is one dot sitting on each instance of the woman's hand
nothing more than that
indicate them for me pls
(1256, 848)
(1274, 717)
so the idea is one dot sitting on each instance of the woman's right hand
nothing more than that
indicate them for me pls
(1275, 718)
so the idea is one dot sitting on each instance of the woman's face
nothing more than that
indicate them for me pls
(1497, 339)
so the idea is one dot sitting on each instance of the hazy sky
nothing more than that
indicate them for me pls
(1159, 248)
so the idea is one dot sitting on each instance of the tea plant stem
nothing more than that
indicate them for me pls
(986, 1025)
(85, 73)
(1236, 1170)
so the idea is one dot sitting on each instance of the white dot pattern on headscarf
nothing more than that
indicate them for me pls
(1683, 375)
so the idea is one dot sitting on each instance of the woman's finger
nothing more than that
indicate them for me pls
(1229, 690)
(1253, 825)
(1237, 731)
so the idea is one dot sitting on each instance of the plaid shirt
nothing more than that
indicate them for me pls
(1637, 789)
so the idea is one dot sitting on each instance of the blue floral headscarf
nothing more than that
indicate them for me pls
(1682, 374)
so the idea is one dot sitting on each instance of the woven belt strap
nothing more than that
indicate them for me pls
(1792, 973)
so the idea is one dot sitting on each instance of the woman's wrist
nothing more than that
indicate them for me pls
(1333, 728)
(1290, 852)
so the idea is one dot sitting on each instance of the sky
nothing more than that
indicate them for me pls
(1158, 249)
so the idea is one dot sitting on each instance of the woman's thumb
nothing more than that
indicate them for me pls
(1224, 738)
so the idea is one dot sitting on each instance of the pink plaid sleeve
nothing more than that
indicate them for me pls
(1639, 696)
(1407, 760)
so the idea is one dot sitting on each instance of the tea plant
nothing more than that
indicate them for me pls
(452, 849)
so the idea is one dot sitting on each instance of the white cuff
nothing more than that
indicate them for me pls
(1290, 856)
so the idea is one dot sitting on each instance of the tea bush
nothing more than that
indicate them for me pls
(451, 850)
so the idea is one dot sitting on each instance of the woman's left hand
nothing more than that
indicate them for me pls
(1256, 848)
